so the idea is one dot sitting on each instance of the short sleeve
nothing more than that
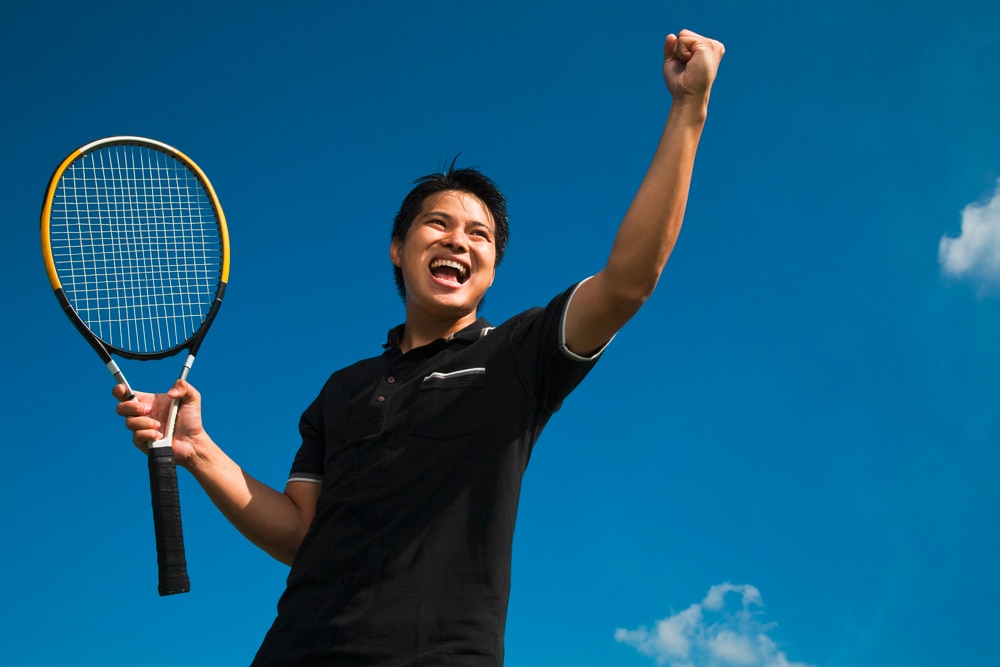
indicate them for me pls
(308, 463)
(548, 369)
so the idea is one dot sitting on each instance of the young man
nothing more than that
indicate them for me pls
(398, 515)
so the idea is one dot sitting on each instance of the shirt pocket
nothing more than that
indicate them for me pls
(449, 405)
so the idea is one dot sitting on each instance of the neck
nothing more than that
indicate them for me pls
(422, 329)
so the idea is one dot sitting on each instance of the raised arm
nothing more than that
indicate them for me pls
(646, 237)
(276, 522)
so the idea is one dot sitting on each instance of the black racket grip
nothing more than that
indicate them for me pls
(167, 522)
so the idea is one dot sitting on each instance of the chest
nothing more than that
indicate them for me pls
(409, 416)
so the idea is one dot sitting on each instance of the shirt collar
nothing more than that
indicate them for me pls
(473, 332)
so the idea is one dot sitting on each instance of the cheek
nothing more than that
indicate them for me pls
(488, 259)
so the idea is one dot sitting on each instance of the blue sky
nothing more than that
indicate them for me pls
(790, 453)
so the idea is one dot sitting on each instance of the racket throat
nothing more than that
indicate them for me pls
(119, 377)
(188, 363)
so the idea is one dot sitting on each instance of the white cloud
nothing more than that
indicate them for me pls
(710, 634)
(716, 597)
(975, 254)
(732, 648)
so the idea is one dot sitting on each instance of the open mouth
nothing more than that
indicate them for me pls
(449, 271)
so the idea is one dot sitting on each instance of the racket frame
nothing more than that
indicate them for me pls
(172, 564)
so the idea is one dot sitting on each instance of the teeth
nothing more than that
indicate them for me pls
(437, 263)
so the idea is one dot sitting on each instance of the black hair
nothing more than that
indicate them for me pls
(469, 180)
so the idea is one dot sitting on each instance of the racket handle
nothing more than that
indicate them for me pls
(167, 521)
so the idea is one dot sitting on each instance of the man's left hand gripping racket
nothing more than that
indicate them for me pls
(137, 251)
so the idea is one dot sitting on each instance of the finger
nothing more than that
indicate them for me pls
(668, 46)
(121, 392)
(133, 409)
(683, 51)
(692, 41)
(684, 48)
(144, 430)
(142, 439)
(676, 48)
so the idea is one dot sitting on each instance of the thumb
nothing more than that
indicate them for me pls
(184, 392)
(668, 46)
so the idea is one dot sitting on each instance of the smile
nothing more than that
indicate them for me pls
(449, 270)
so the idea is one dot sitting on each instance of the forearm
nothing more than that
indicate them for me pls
(270, 519)
(650, 228)
(645, 238)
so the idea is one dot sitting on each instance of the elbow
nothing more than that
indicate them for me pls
(284, 556)
(284, 552)
(631, 282)
(283, 546)
(633, 293)
(622, 304)
(640, 292)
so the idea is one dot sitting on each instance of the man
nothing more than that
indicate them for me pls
(398, 515)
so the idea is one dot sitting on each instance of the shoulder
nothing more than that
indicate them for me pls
(546, 321)
(354, 374)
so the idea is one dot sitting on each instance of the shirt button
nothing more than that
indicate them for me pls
(390, 379)
(380, 398)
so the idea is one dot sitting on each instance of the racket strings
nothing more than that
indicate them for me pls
(137, 246)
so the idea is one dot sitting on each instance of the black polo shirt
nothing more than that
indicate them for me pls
(420, 457)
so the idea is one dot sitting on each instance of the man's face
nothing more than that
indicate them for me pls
(448, 257)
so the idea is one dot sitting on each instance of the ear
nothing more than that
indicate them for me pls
(396, 252)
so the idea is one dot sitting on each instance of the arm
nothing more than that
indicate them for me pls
(275, 522)
(646, 236)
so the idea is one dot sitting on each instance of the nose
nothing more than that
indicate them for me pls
(456, 241)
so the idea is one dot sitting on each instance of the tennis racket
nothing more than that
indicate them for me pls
(137, 251)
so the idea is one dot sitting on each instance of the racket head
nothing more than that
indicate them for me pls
(136, 246)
